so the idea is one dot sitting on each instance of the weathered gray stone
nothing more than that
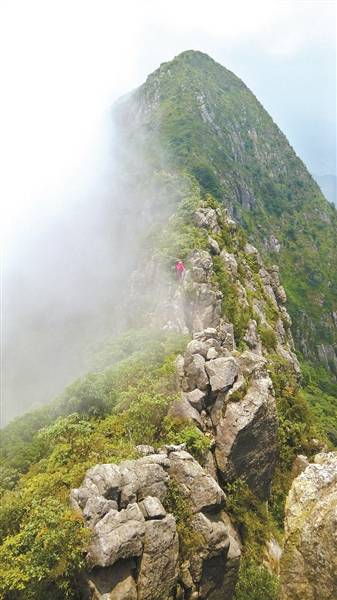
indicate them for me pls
(246, 437)
(207, 219)
(230, 263)
(182, 410)
(158, 572)
(145, 477)
(195, 373)
(222, 373)
(212, 354)
(152, 508)
(119, 535)
(196, 399)
(112, 583)
(96, 507)
(197, 347)
(145, 450)
(214, 246)
(309, 560)
(202, 491)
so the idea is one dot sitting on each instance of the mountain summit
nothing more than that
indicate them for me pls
(194, 116)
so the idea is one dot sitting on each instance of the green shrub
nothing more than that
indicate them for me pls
(255, 582)
(268, 337)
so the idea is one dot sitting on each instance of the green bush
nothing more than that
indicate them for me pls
(255, 582)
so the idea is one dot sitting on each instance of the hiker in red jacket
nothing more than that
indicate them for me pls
(180, 270)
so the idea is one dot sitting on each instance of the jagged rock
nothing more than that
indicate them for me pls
(309, 560)
(134, 551)
(230, 263)
(212, 354)
(143, 478)
(205, 334)
(328, 356)
(152, 508)
(252, 337)
(222, 373)
(214, 246)
(300, 464)
(97, 507)
(250, 363)
(196, 399)
(159, 563)
(201, 266)
(112, 583)
(180, 365)
(246, 437)
(205, 306)
(197, 347)
(207, 218)
(226, 336)
(145, 450)
(209, 559)
(117, 536)
(203, 492)
(182, 410)
(195, 374)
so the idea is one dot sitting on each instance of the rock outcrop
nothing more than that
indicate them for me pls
(134, 552)
(309, 561)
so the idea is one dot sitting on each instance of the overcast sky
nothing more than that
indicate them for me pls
(64, 63)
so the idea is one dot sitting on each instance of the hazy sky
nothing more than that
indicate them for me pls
(64, 62)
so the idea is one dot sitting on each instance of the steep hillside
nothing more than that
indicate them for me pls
(163, 474)
(194, 116)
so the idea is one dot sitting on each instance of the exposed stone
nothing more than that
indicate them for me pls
(152, 508)
(117, 536)
(112, 583)
(197, 347)
(97, 507)
(182, 410)
(196, 399)
(196, 376)
(203, 492)
(246, 437)
(230, 263)
(159, 564)
(212, 354)
(207, 218)
(222, 373)
(145, 450)
(252, 337)
(214, 246)
(309, 560)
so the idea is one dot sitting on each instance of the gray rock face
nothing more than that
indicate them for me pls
(159, 564)
(134, 551)
(203, 492)
(246, 438)
(207, 219)
(309, 561)
(183, 410)
(222, 373)
(118, 535)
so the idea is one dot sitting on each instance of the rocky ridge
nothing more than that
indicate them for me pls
(226, 391)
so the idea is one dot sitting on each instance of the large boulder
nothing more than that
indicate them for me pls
(119, 535)
(134, 551)
(246, 437)
(202, 491)
(159, 563)
(309, 561)
(222, 373)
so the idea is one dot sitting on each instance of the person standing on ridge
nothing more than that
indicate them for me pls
(180, 270)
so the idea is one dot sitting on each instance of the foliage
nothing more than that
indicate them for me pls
(176, 503)
(255, 582)
(178, 432)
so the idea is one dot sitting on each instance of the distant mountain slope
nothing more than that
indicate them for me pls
(194, 116)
